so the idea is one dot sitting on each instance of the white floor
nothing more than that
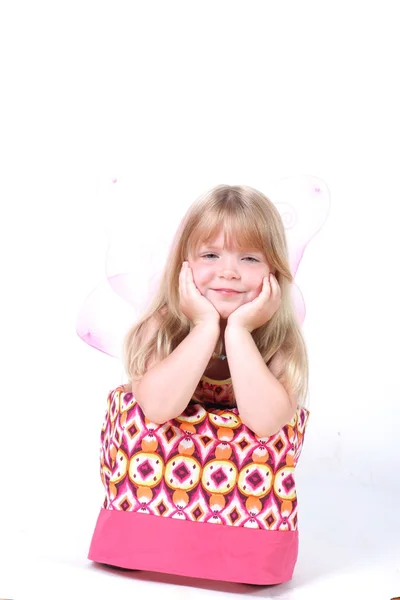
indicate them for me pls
(353, 553)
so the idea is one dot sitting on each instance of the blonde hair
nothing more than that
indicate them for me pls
(249, 220)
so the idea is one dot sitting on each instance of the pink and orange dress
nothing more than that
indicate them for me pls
(200, 495)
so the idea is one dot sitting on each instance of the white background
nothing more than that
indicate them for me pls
(178, 97)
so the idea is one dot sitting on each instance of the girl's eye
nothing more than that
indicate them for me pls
(251, 258)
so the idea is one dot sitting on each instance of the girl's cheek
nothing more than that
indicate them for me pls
(259, 290)
(196, 277)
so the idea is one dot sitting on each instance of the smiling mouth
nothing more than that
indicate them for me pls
(227, 292)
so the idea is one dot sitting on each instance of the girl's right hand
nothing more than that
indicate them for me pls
(192, 303)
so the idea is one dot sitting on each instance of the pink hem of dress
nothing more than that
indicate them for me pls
(147, 542)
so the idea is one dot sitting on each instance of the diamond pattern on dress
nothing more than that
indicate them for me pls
(240, 482)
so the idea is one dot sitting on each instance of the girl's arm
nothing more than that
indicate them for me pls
(166, 388)
(264, 404)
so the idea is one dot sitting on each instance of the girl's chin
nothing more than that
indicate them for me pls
(224, 312)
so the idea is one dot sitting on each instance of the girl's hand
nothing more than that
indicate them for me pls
(260, 310)
(192, 303)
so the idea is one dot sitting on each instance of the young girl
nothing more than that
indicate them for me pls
(198, 450)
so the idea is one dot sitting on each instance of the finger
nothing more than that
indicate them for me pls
(188, 273)
(263, 294)
(266, 286)
(275, 286)
(182, 279)
(276, 293)
(191, 288)
(271, 281)
(182, 272)
(190, 281)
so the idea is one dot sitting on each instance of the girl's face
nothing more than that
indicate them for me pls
(216, 268)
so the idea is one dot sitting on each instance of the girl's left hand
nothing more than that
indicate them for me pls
(260, 310)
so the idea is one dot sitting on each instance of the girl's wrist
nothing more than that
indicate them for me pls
(208, 326)
(235, 327)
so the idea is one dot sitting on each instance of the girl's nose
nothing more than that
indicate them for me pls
(228, 268)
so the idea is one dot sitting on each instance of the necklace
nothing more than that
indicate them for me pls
(220, 356)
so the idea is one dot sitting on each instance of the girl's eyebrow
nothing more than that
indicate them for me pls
(210, 247)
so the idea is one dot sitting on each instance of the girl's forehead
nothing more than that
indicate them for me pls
(224, 240)
(233, 245)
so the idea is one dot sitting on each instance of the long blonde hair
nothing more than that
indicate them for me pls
(249, 220)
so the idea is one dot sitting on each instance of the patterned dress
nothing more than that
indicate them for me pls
(200, 495)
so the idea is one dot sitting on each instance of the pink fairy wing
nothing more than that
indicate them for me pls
(303, 203)
(136, 256)
(134, 261)
(104, 320)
